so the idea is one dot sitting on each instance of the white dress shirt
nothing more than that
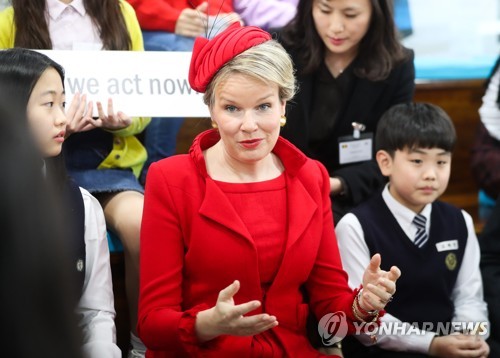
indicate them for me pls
(489, 111)
(467, 295)
(96, 305)
(70, 27)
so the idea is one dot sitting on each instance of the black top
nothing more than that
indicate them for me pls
(361, 101)
(328, 95)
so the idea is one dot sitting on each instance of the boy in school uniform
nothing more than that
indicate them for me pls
(438, 309)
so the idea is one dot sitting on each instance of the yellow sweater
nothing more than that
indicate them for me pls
(127, 152)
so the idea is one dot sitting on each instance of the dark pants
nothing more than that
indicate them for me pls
(352, 348)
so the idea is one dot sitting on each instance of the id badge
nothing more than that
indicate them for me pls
(353, 150)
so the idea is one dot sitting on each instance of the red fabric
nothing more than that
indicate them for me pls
(162, 15)
(193, 244)
(187, 333)
(210, 55)
(262, 208)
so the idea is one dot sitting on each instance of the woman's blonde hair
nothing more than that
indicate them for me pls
(267, 62)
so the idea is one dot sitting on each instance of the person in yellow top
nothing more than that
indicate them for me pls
(102, 154)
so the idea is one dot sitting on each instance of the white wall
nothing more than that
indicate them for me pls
(3, 4)
(455, 27)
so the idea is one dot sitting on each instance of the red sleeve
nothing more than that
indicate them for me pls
(327, 286)
(160, 279)
(162, 15)
(220, 6)
(156, 14)
(162, 325)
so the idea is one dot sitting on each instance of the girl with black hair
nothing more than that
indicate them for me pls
(33, 84)
(103, 154)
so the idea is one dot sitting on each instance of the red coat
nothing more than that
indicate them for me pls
(194, 244)
(162, 15)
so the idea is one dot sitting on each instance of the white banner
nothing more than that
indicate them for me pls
(148, 84)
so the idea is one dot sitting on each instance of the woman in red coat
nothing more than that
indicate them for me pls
(237, 241)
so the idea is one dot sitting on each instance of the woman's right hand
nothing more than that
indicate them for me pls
(227, 318)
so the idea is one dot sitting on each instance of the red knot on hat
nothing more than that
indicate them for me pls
(210, 55)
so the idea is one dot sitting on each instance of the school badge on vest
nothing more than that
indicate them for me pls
(451, 261)
(79, 265)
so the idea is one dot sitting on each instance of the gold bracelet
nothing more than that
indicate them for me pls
(355, 312)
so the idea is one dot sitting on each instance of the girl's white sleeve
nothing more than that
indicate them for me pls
(96, 305)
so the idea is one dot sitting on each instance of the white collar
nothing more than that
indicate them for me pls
(403, 215)
(56, 7)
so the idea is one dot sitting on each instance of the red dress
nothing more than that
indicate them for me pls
(262, 208)
(194, 243)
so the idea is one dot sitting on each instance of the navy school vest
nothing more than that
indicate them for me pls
(428, 274)
(76, 229)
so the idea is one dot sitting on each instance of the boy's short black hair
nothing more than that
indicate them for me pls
(415, 125)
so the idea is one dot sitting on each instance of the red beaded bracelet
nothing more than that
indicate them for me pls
(359, 311)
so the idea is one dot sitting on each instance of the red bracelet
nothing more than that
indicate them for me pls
(358, 310)
(361, 309)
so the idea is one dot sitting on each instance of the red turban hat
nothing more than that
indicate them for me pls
(210, 55)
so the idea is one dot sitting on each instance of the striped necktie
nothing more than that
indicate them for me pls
(421, 235)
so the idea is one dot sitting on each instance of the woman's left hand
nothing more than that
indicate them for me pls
(111, 121)
(378, 285)
(79, 115)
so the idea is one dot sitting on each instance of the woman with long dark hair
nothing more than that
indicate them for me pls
(351, 68)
